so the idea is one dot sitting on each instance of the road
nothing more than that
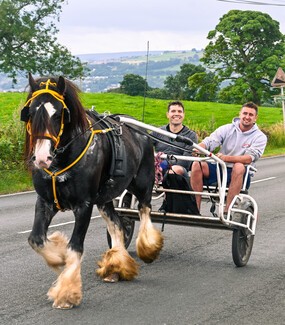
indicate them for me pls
(193, 282)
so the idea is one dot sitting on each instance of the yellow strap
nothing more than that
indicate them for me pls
(60, 131)
(55, 94)
(48, 83)
(54, 192)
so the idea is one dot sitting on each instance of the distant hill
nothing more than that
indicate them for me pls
(100, 57)
(108, 69)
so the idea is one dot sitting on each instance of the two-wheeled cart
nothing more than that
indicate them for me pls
(241, 217)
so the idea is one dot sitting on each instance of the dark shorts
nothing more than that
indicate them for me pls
(212, 180)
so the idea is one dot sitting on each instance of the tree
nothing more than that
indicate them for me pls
(245, 48)
(133, 85)
(205, 86)
(177, 86)
(28, 40)
(172, 87)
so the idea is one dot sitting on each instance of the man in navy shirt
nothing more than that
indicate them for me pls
(175, 114)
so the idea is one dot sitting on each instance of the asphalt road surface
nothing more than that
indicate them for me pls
(193, 282)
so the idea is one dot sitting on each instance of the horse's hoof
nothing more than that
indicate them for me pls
(114, 277)
(63, 306)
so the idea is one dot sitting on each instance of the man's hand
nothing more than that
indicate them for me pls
(221, 156)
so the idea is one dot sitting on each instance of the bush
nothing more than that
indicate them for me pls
(276, 135)
(11, 145)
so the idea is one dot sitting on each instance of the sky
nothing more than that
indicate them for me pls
(111, 26)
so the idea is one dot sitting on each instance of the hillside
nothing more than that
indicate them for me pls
(108, 69)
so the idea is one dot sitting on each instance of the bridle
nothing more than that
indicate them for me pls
(57, 96)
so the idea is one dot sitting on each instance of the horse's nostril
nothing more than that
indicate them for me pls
(49, 158)
(33, 158)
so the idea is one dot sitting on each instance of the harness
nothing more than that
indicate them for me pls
(55, 174)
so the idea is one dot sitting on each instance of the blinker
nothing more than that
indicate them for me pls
(25, 114)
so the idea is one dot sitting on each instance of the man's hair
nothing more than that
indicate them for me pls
(177, 102)
(251, 105)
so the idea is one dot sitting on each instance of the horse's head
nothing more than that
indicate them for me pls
(46, 114)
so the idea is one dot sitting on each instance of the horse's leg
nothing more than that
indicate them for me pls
(116, 263)
(66, 292)
(150, 240)
(52, 250)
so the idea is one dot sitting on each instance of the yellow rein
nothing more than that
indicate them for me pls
(55, 174)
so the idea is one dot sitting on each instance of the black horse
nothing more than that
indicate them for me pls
(79, 159)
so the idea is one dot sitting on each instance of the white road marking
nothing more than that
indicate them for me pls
(263, 180)
(56, 225)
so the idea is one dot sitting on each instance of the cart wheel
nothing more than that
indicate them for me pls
(242, 240)
(127, 223)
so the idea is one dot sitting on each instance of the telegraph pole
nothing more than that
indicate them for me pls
(145, 86)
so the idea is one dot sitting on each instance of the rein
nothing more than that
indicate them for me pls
(62, 149)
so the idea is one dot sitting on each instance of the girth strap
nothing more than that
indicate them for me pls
(118, 162)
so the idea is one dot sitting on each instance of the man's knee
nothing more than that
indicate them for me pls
(196, 167)
(177, 170)
(238, 169)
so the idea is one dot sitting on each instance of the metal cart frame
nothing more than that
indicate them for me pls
(241, 218)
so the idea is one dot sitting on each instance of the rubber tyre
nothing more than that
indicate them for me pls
(242, 243)
(128, 224)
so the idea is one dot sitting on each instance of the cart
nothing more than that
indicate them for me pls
(241, 218)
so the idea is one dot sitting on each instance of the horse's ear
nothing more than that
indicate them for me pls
(34, 86)
(61, 85)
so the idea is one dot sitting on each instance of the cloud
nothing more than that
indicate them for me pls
(89, 26)
(92, 41)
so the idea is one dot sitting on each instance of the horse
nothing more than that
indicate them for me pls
(70, 152)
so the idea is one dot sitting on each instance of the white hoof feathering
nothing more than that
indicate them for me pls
(66, 292)
(117, 264)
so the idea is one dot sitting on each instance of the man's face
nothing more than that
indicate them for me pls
(248, 117)
(175, 115)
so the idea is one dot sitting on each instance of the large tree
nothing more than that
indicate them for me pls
(28, 39)
(246, 48)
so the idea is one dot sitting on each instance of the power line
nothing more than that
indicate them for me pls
(258, 3)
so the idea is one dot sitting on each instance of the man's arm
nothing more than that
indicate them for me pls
(244, 159)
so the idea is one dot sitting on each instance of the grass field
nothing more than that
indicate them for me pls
(201, 117)
(198, 114)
